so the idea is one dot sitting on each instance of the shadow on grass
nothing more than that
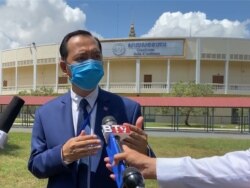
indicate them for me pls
(10, 149)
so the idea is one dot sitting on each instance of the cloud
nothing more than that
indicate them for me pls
(196, 24)
(40, 21)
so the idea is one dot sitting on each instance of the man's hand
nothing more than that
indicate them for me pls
(80, 146)
(137, 139)
(145, 164)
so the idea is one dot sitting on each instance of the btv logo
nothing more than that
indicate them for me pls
(120, 129)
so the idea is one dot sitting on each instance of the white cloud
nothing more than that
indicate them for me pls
(41, 21)
(196, 24)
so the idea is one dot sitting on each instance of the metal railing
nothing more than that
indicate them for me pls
(130, 87)
(227, 124)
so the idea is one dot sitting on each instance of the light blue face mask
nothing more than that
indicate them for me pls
(86, 74)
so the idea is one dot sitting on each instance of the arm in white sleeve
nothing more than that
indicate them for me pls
(229, 171)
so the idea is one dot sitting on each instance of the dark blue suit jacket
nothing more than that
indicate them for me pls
(53, 126)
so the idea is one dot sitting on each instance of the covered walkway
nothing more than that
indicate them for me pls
(241, 106)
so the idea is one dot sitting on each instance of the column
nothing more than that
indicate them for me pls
(16, 74)
(57, 69)
(226, 76)
(198, 61)
(226, 68)
(1, 73)
(108, 76)
(34, 59)
(168, 76)
(137, 76)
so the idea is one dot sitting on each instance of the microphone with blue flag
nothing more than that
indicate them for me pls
(113, 135)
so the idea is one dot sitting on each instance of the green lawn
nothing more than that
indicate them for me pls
(13, 159)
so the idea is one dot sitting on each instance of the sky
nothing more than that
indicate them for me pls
(23, 22)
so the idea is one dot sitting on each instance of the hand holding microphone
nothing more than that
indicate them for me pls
(114, 134)
(137, 140)
(8, 117)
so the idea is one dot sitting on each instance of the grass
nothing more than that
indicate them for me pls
(13, 159)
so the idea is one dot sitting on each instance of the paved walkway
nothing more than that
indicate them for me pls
(167, 133)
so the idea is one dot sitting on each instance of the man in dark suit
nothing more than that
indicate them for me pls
(67, 147)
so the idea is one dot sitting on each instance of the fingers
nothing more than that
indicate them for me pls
(120, 156)
(136, 130)
(109, 166)
(81, 146)
(89, 150)
(137, 136)
(82, 133)
(138, 126)
(139, 122)
(112, 176)
(83, 136)
(137, 139)
(87, 145)
(106, 160)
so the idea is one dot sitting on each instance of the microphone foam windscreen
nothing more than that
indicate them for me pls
(10, 113)
(109, 120)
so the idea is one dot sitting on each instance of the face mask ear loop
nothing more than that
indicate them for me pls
(68, 69)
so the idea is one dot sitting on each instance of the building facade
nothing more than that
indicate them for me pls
(137, 66)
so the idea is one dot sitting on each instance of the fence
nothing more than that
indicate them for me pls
(173, 122)
(200, 123)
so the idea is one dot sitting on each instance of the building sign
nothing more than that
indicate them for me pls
(145, 48)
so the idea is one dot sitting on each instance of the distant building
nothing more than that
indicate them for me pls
(132, 31)
(137, 66)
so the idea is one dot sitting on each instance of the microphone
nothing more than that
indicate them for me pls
(8, 117)
(113, 134)
(132, 178)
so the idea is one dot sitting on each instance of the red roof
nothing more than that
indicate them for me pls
(194, 101)
(29, 100)
(157, 101)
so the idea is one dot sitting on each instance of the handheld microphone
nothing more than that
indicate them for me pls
(113, 134)
(132, 178)
(8, 117)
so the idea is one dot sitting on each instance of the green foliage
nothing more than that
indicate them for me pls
(191, 89)
(42, 91)
(23, 93)
(164, 110)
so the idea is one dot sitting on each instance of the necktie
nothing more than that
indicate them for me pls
(83, 118)
(84, 163)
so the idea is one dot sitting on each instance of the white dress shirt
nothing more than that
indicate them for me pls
(229, 171)
(91, 98)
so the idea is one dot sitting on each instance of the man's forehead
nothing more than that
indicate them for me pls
(83, 40)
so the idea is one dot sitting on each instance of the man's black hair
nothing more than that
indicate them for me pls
(63, 47)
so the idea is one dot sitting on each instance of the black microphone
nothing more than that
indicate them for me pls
(8, 117)
(132, 178)
(109, 120)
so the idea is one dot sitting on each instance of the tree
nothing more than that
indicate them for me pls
(190, 89)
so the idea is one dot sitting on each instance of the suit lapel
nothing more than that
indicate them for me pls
(67, 119)
(101, 112)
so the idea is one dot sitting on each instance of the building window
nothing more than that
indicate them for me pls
(147, 80)
(62, 80)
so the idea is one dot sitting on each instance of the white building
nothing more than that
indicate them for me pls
(137, 66)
